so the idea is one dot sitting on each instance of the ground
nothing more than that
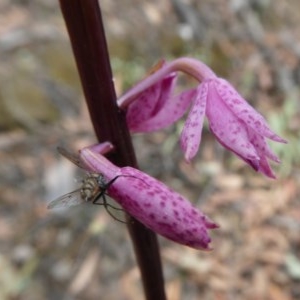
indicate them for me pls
(83, 253)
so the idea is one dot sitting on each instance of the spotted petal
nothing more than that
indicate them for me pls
(150, 101)
(264, 153)
(245, 112)
(174, 109)
(229, 130)
(191, 134)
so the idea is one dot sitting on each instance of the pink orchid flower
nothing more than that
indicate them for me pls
(236, 125)
(149, 200)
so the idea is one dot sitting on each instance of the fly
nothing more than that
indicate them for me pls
(92, 189)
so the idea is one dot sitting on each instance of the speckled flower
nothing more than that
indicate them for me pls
(152, 202)
(235, 124)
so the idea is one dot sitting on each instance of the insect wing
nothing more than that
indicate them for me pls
(67, 200)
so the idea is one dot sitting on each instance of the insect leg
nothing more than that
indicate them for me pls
(107, 206)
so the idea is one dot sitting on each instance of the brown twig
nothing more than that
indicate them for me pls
(84, 23)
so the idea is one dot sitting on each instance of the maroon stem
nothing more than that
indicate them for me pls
(84, 23)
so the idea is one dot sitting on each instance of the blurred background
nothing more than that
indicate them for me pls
(82, 253)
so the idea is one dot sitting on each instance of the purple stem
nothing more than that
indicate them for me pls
(84, 23)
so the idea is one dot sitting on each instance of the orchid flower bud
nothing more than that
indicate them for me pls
(151, 202)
